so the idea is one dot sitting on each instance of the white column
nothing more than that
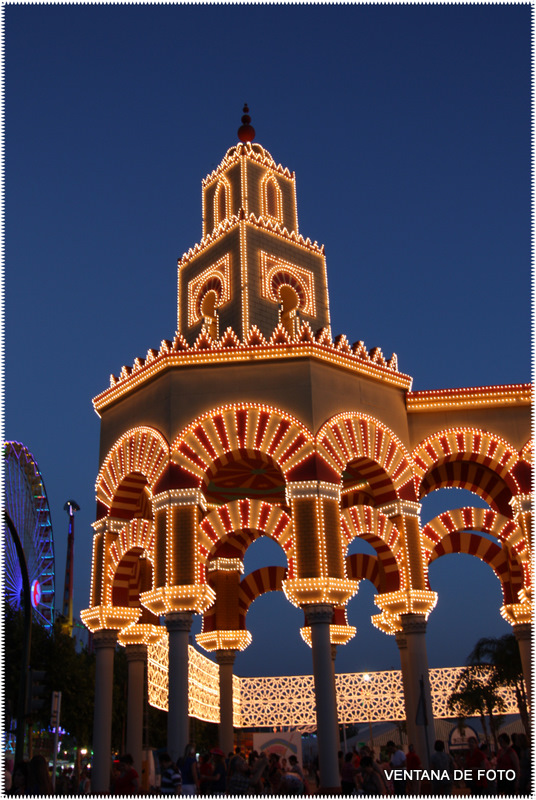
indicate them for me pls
(178, 625)
(523, 634)
(405, 670)
(226, 660)
(104, 643)
(414, 662)
(319, 618)
(136, 657)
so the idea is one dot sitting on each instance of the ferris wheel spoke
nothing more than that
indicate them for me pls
(27, 505)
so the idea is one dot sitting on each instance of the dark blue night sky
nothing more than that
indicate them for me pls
(408, 128)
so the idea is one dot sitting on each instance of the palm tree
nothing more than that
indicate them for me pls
(475, 694)
(502, 654)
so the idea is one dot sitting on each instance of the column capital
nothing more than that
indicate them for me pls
(136, 652)
(518, 614)
(179, 621)
(234, 640)
(318, 613)
(178, 599)
(413, 623)
(401, 640)
(104, 638)
(523, 631)
(226, 657)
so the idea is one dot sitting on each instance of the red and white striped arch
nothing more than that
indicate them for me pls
(369, 524)
(527, 452)
(362, 566)
(253, 428)
(380, 456)
(265, 579)
(483, 520)
(502, 559)
(137, 459)
(242, 521)
(135, 539)
(471, 459)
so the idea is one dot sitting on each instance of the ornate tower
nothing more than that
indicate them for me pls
(252, 267)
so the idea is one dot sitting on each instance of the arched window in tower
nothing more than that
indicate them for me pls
(209, 313)
(221, 202)
(289, 304)
(273, 206)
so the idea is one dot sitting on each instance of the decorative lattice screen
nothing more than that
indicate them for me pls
(290, 701)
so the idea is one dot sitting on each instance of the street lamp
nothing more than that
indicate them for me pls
(367, 678)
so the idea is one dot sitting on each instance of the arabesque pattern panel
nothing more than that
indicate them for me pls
(270, 702)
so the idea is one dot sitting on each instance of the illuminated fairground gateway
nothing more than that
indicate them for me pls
(254, 422)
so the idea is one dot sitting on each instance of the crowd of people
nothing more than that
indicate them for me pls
(29, 777)
(392, 772)
(476, 771)
(235, 774)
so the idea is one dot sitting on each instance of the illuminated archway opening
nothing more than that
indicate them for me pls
(289, 303)
(209, 312)
(469, 602)
(133, 575)
(445, 498)
(276, 640)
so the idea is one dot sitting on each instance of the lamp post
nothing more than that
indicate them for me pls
(367, 679)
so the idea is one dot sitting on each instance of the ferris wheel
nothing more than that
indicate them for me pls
(26, 503)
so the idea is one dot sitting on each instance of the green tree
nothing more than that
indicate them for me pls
(475, 694)
(73, 674)
(502, 654)
(66, 670)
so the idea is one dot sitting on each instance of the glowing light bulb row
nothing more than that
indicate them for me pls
(224, 640)
(313, 488)
(141, 633)
(338, 634)
(332, 591)
(109, 617)
(226, 565)
(407, 508)
(479, 397)
(244, 276)
(269, 183)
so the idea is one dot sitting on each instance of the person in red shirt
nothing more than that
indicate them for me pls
(128, 780)
(475, 760)
(412, 762)
(507, 760)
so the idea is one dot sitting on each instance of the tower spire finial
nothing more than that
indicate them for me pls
(246, 133)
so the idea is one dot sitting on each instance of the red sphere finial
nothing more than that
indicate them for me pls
(246, 133)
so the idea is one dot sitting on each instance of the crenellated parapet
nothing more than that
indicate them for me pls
(230, 349)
